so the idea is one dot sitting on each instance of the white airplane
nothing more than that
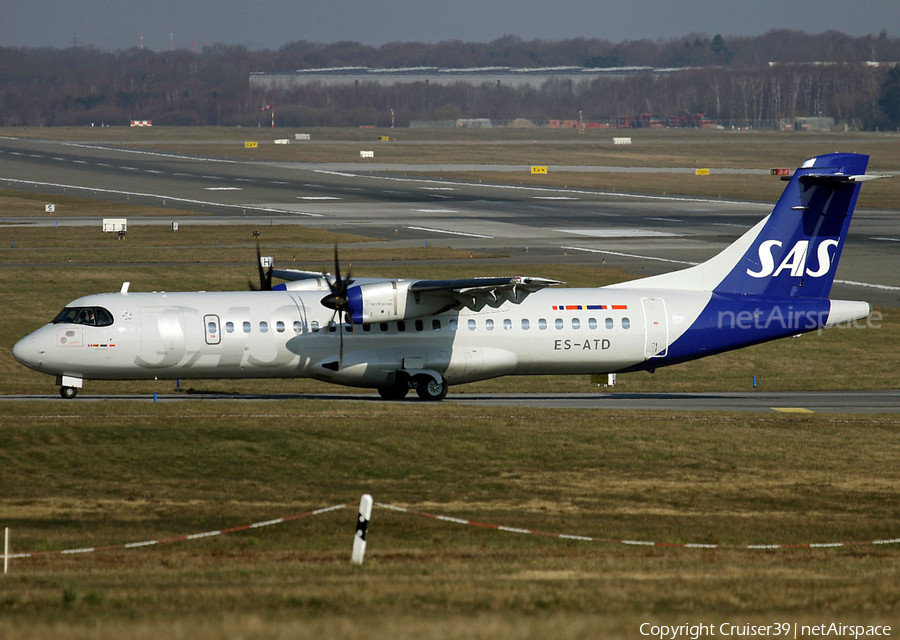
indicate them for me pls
(397, 335)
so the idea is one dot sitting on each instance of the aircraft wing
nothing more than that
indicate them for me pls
(476, 293)
(296, 274)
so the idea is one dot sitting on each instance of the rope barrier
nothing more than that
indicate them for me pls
(453, 520)
(640, 543)
(193, 536)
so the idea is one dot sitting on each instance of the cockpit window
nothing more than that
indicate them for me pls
(90, 316)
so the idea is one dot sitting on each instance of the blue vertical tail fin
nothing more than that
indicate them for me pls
(796, 250)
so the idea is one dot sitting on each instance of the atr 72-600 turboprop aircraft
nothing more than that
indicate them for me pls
(396, 335)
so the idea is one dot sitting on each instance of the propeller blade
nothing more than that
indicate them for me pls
(341, 352)
(337, 299)
(337, 267)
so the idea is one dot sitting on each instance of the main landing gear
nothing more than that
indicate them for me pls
(431, 389)
(427, 388)
(68, 392)
(396, 392)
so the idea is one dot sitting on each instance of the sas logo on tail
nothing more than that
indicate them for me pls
(795, 260)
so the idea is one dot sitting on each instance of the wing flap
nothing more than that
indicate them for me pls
(477, 293)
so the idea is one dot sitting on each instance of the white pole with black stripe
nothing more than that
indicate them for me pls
(362, 526)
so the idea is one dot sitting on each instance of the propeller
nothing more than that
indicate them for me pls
(338, 301)
(265, 275)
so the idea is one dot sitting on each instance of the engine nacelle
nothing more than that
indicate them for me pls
(390, 301)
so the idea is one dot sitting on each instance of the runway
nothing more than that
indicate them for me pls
(799, 402)
(641, 234)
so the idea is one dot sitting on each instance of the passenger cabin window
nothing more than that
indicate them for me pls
(383, 326)
(471, 324)
(314, 325)
(576, 323)
(626, 323)
(264, 327)
(435, 325)
(229, 327)
(489, 324)
(592, 323)
(279, 326)
(419, 325)
(453, 325)
(609, 323)
(246, 326)
(298, 326)
(559, 323)
(89, 316)
(367, 328)
(401, 325)
(507, 324)
(526, 324)
(542, 323)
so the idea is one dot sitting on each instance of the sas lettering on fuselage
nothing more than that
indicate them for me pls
(795, 260)
(587, 345)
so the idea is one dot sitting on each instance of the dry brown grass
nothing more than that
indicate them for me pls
(119, 472)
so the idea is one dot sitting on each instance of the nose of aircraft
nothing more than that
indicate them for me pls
(28, 351)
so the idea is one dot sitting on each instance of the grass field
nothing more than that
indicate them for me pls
(112, 473)
(82, 474)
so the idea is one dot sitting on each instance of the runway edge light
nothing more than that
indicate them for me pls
(362, 526)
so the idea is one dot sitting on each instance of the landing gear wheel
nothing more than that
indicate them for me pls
(397, 392)
(68, 392)
(431, 389)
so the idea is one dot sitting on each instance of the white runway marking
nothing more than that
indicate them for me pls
(452, 233)
(620, 233)
(868, 284)
(150, 153)
(628, 255)
(248, 207)
(223, 189)
(317, 198)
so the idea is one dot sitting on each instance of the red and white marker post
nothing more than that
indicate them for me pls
(362, 526)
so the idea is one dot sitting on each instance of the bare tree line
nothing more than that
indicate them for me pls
(742, 82)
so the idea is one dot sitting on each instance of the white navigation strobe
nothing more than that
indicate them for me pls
(362, 525)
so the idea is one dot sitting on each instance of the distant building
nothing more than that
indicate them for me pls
(509, 76)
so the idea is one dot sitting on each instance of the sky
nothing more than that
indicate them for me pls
(268, 24)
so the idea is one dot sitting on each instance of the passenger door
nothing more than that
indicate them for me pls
(656, 329)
